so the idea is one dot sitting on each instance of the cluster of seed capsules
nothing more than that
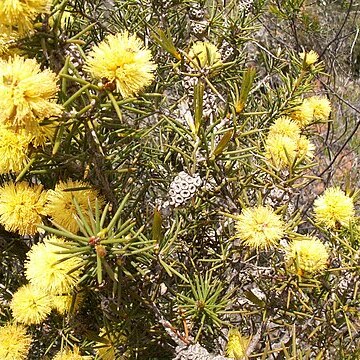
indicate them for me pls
(182, 189)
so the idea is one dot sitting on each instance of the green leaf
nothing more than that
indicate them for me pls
(165, 41)
(156, 229)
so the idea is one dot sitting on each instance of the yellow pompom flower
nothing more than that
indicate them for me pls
(69, 354)
(280, 150)
(305, 148)
(321, 107)
(30, 305)
(62, 303)
(13, 150)
(123, 59)
(285, 126)
(204, 54)
(303, 114)
(307, 256)
(237, 344)
(259, 227)
(49, 271)
(19, 15)
(310, 57)
(21, 207)
(27, 94)
(334, 208)
(40, 134)
(14, 342)
(60, 205)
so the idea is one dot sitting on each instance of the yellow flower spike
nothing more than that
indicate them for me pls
(305, 149)
(285, 126)
(307, 256)
(21, 207)
(122, 59)
(27, 94)
(68, 354)
(237, 344)
(259, 227)
(303, 114)
(334, 208)
(48, 271)
(13, 149)
(280, 150)
(310, 57)
(20, 15)
(14, 342)
(30, 305)
(204, 55)
(321, 107)
(62, 303)
(106, 349)
(60, 205)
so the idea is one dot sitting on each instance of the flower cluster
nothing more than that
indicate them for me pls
(123, 60)
(237, 344)
(14, 342)
(259, 227)
(285, 145)
(49, 271)
(27, 98)
(22, 206)
(312, 109)
(61, 205)
(68, 354)
(334, 208)
(52, 278)
(309, 58)
(183, 188)
(18, 16)
(204, 55)
(307, 256)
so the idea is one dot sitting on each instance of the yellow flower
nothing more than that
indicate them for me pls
(40, 134)
(106, 349)
(285, 126)
(27, 94)
(14, 342)
(60, 205)
(19, 15)
(204, 54)
(303, 114)
(63, 303)
(259, 227)
(237, 344)
(13, 149)
(30, 305)
(310, 57)
(123, 59)
(305, 149)
(280, 150)
(321, 107)
(307, 256)
(69, 354)
(334, 208)
(49, 271)
(21, 207)
(7, 45)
